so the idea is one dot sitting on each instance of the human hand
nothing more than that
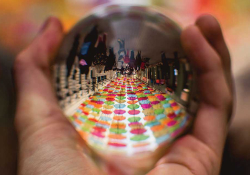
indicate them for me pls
(200, 152)
(48, 144)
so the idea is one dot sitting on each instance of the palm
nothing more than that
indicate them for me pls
(188, 156)
(50, 145)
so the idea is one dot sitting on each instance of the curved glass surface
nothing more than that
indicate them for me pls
(124, 82)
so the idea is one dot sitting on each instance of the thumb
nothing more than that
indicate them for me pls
(32, 74)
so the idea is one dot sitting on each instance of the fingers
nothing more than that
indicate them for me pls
(211, 123)
(211, 30)
(35, 94)
(207, 64)
(42, 49)
(39, 54)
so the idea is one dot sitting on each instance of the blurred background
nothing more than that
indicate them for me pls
(20, 21)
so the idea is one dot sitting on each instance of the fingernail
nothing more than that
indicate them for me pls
(45, 25)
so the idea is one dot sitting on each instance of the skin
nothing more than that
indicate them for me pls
(48, 143)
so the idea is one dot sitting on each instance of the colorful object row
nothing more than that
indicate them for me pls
(129, 117)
